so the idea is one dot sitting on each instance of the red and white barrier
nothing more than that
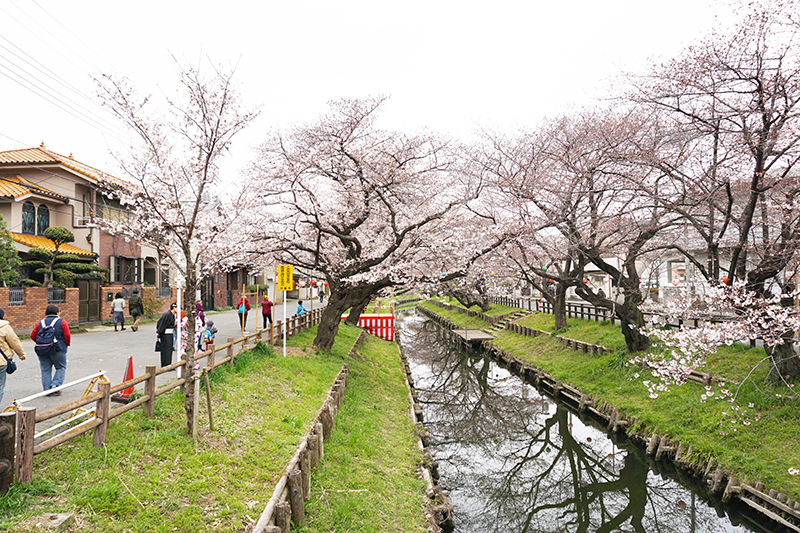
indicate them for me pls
(379, 325)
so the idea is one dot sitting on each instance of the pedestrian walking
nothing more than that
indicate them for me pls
(266, 310)
(321, 294)
(9, 345)
(136, 306)
(198, 305)
(300, 310)
(52, 338)
(118, 310)
(165, 333)
(243, 307)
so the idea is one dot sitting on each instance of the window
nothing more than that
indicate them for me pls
(676, 271)
(125, 270)
(28, 218)
(42, 219)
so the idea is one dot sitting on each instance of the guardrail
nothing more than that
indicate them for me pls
(19, 427)
(598, 314)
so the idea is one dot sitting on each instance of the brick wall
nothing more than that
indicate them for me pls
(24, 317)
(113, 245)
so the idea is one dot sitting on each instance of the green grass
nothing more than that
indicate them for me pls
(602, 333)
(762, 451)
(495, 310)
(368, 481)
(149, 477)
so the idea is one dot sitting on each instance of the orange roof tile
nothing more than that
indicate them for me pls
(40, 156)
(37, 241)
(16, 186)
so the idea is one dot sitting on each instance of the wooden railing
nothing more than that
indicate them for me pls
(22, 423)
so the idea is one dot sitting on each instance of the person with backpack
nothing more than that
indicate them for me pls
(9, 345)
(52, 338)
(243, 307)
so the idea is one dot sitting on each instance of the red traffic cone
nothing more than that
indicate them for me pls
(126, 395)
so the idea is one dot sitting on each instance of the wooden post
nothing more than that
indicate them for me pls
(313, 449)
(327, 422)
(321, 448)
(305, 469)
(150, 390)
(101, 412)
(212, 355)
(8, 427)
(283, 516)
(196, 385)
(295, 486)
(272, 334)
(230, 349)
(208, 399)
(26, 426)
(279, 333)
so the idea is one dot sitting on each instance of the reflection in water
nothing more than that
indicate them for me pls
(513, 460)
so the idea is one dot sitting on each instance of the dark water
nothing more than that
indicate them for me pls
(515, 461)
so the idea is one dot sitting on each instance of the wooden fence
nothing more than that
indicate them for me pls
(17, 429)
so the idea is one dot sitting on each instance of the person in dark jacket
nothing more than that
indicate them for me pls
(165, 332)
(59, 359)
(136, 309)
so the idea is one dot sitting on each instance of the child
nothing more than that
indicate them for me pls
(209, 333)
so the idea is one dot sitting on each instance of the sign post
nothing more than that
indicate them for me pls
(285, 278)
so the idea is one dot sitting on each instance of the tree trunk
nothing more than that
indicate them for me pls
(339, 300)
(191, 312)
(329, 322)
(357, 310)
(560, 306)
(632, 320)
(784, 363)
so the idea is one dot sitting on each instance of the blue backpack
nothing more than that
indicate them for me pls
(46, 342)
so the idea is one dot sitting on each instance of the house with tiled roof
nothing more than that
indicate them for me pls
(40, 188)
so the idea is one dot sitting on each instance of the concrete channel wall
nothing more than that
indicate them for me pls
(719, 483)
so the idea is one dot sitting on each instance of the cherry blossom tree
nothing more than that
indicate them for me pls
(364, 208)
(579, 178)
(737, 96)
(173, 170)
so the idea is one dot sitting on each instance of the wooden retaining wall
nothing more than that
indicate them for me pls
(719, 482)
(287, 503)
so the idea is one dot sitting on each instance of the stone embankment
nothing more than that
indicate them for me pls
(719, 483)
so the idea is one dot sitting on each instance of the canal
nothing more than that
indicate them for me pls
(513, 460)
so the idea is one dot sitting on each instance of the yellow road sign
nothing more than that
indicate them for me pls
(285, 277)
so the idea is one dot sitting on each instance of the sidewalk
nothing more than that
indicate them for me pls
(102, 348)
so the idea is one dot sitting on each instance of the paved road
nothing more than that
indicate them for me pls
(101, 348)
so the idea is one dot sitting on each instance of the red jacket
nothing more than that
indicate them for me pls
(64, 327)
(246, 305)
(266, 307)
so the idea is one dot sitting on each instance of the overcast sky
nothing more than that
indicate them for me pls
(448, 66)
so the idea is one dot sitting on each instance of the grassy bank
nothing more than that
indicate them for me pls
(149, 477)
(757, 440)
(368, 482)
